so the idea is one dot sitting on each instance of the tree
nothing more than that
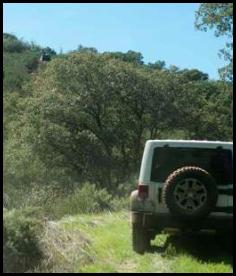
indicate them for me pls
(160, 65)
(83, 49)
(130, 56)
(173, 68)
(219, 16)
(92, 114)
(80, 117)
(20, 60)
(12, 44)
(206, 110)
(193, 75)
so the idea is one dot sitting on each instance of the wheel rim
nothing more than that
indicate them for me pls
(190, 194)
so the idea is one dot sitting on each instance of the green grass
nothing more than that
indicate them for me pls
(102, 243)
(202, 253)
(186, 263)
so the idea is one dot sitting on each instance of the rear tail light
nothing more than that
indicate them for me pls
(142, 191)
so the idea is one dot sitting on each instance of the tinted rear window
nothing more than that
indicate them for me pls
(216, 161)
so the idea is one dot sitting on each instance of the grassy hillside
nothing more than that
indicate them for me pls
(102, 243)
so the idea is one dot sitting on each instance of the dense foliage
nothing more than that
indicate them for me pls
(21, 244)
(219, 17)
(85, 116)
(20, 60)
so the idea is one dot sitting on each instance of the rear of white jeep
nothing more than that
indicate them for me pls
(183, 185)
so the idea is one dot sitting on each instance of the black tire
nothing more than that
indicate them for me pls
(140, 239)
(207, 184)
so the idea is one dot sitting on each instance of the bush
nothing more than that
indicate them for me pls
(120, 203)
(87, 199)
(21, 246)
(31, 195)
(55, 202)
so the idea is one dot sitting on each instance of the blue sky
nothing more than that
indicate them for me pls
(159, 31)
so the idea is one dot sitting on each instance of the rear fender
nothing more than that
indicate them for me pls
(141, 205)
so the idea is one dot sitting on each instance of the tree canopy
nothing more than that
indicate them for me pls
(219, 17)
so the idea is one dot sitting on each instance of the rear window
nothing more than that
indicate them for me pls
(218, 162)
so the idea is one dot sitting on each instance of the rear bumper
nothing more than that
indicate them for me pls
(160, 222)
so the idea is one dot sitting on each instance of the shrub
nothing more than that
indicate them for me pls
(33, 195)
(120, 204)
(21, 246)
(87, 199)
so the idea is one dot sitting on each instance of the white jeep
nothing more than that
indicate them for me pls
(185, 185)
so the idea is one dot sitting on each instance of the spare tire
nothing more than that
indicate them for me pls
(190, 193)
